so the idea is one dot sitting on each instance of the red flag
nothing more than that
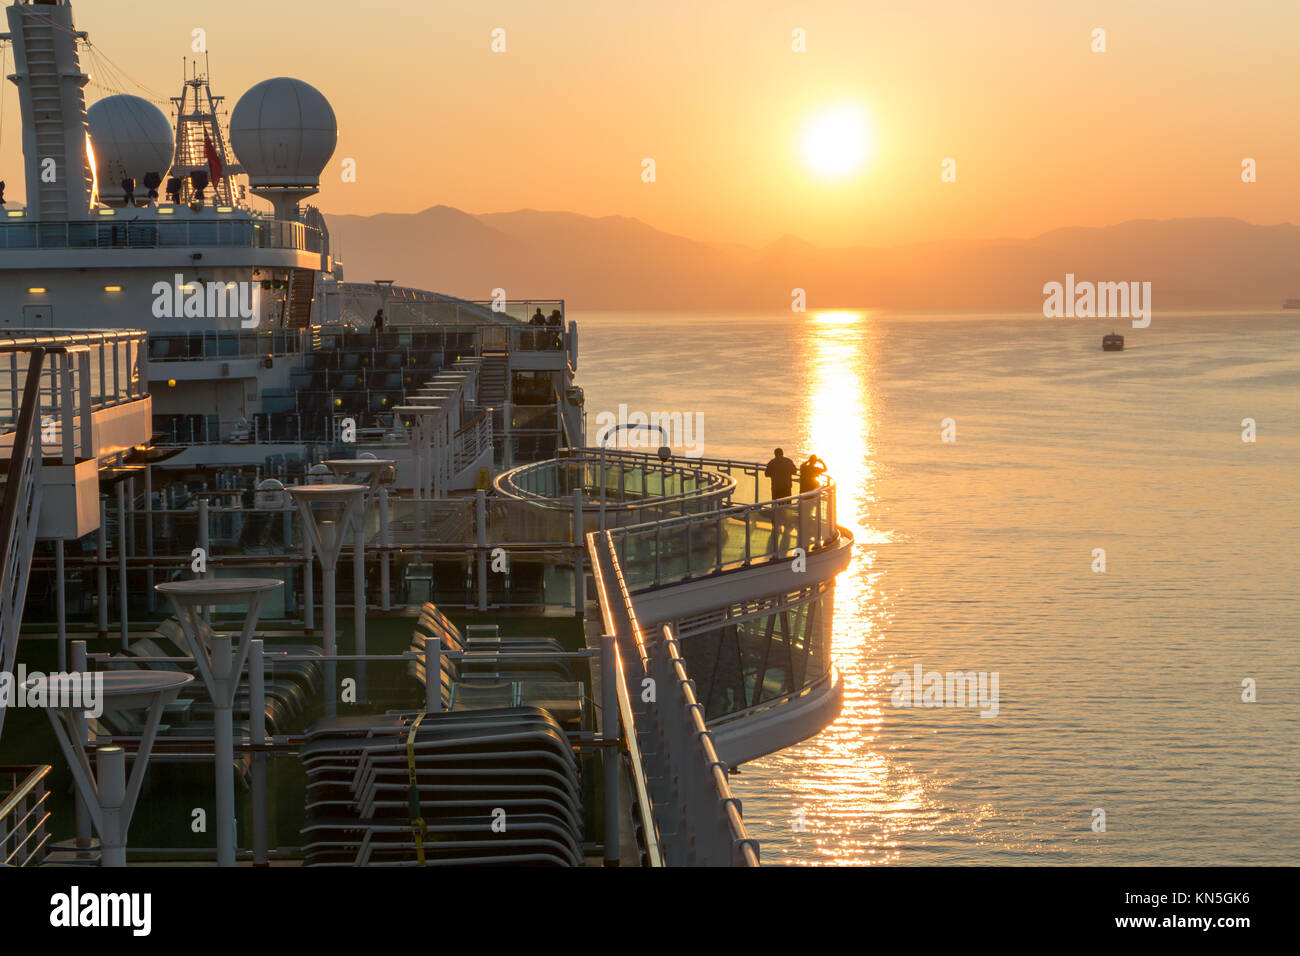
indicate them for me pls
(215, 167)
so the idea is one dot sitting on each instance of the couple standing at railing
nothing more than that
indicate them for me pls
(782, 470)
(541, 340)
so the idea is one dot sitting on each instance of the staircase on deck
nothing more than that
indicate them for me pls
(302, 289)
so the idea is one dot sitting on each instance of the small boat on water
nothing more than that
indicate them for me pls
(1112, 343)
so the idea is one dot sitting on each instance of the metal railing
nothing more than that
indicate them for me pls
(697, 819)
(623, 487)
(407, 306)
(213, 344)
(681, 549)
(24, 813)
(121, 232)
(19, 514)
(91, 370)
(471, 441)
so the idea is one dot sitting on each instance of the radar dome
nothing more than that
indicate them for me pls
(132, 137)
(283, 132)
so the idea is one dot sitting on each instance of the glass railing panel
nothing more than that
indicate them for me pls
(420, 522)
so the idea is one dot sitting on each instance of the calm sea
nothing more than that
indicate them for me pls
(1119, 691)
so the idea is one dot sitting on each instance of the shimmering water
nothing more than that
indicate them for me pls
(1119, 690)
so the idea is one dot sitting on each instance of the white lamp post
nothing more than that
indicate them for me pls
(373, 471)
(220, 665)
(665, 453)
(326, 512)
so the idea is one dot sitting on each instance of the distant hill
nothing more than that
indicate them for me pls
(617, 262)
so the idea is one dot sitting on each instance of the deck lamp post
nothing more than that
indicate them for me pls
(372, 472)
(220, 663)
(326, 511)
(108, 793)
(665, 452)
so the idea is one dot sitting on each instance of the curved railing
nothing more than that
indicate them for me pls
(620, 488)
(671, 551)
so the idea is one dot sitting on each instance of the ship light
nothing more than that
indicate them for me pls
(107, 211)
(37, 290)
(112, 288)
(166, 210)
(171, 383)
(225, 209)
(16, 213)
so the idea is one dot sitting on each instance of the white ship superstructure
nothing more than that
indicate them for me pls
(212, 443)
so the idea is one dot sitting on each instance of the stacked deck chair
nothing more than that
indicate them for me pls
(470, 788)
(483, 679)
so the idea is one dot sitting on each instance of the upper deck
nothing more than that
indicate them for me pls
(163, 235)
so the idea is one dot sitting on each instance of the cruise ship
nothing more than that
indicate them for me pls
(299, 570)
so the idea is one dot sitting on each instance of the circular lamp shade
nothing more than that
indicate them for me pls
(283, 132)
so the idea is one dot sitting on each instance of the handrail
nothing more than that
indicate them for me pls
(700, 774)
(24, 827)
(627, 721)
(35, 775)
(717, 770)
(155, 232)
(815, 507)
(713, 485)
(19, 485)
(637, 634)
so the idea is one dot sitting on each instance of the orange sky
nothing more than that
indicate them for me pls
(1045, 133)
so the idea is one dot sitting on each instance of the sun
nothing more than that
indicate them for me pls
(836, 142)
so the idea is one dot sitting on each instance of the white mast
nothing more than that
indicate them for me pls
(196, 117)
(58, 156)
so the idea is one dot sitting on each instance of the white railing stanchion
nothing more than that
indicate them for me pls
(257, 737)
(609, 732)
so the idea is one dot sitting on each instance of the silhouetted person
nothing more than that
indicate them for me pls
(538, 318)
(782, 471)
(555, 319)
(810, 473)
(379, 321)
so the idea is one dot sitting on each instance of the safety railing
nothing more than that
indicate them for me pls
(407, 306)
(213, 344)
(19, 513)
(24, 813)
(681, 549)
(84, 372)
(697, 818)
(621, 488)
(472, 441)
(119, 232)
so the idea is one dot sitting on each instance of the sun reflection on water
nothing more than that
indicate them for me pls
(853, 797)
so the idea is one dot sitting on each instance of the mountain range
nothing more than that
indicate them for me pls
(616, 262)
